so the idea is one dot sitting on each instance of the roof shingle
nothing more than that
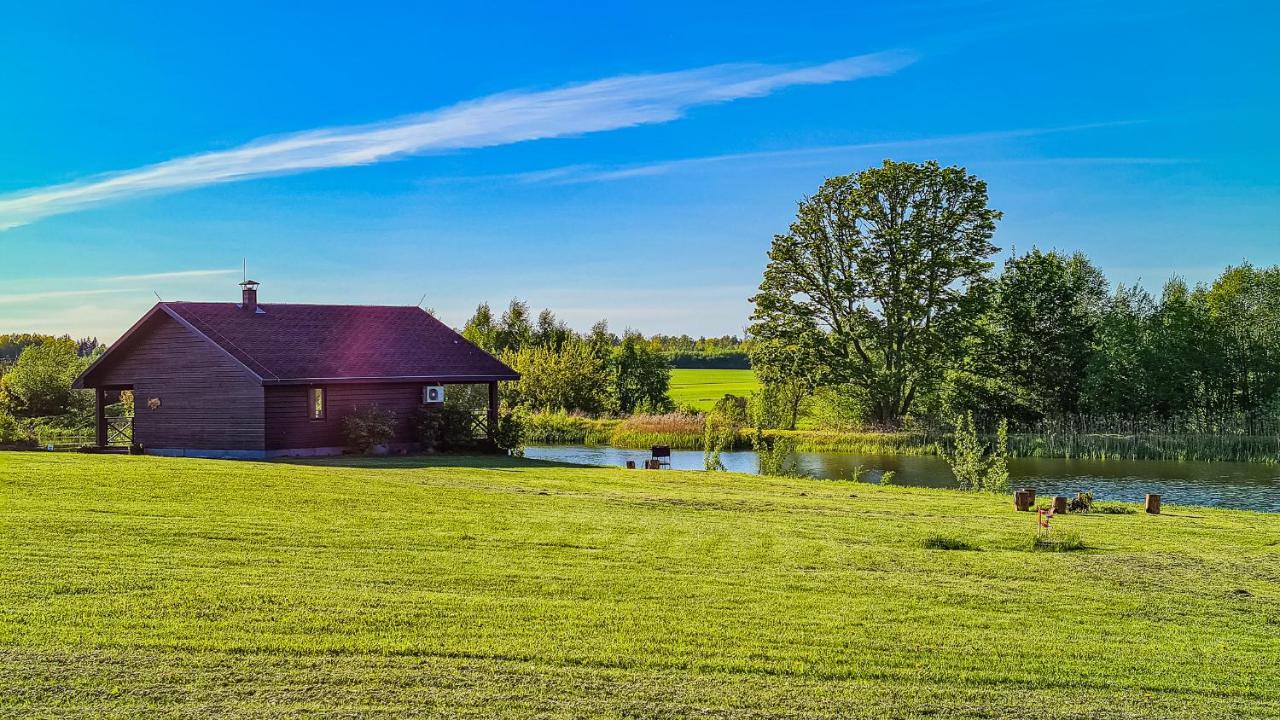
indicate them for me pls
(291, 343)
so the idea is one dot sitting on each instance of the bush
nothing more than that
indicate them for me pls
(947, 542)
(509, 435)
(975, 468)
(556, 428)
(14, 434)
(445, 429)
(1082, 502)
(369, 427)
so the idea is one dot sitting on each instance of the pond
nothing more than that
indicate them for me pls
(1249, 486)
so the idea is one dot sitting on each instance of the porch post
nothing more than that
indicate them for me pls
(100, 416)
(493, 408)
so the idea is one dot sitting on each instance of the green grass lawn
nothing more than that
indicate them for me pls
(702, 388)
(467, 587)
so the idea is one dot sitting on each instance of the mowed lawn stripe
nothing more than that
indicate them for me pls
(642, 585)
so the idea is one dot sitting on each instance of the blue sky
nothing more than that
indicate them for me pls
(621, 162)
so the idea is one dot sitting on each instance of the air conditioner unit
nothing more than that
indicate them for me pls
(432, 394)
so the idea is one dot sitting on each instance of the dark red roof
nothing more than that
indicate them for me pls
(293, 343)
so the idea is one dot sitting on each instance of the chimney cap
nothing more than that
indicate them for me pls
(251, 284)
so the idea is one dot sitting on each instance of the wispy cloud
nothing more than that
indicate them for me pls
(41, 295)
(573, 174)
(175, 275)
(501, 119)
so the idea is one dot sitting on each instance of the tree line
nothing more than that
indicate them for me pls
(596, 372)
(882, 299)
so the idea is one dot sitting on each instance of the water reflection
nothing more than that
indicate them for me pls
(1232, 485)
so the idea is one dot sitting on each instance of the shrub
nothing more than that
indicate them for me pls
(1082, 502)
(1058, 541)
(13, 433)
(720, 431)
(556, 428)
(769, 411)
(974, 468)
(369, 427)
(445, 428)
(887, 477)
(509, 435)
(947, 542)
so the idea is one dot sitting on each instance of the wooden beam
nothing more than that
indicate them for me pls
(100, 415)
(493, 409)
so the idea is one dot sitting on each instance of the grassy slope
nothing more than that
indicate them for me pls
(165, 586)
(702, 388)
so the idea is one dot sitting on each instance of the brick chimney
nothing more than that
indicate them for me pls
(249, 295)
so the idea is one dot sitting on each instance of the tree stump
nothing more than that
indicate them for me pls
(1059, 504)
(631, 464)
(1153, 504)
(651, 465)
(1024, 499)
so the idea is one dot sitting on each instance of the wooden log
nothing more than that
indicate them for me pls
(1153, 504)
(1023, 499)
(631, 464)
(1059, 504)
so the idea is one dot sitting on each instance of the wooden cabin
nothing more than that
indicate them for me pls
(251, 380)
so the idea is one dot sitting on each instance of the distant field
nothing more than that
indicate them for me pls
(499, 588)
(702, 388)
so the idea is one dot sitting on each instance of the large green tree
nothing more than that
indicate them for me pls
(1031, 355)
(880, 277)
(641, 376)
(39, 384)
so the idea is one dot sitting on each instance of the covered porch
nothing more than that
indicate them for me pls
(113, 420)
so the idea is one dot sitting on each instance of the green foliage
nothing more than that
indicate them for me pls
(445, 429)
(1114, 508)
(13, 433)
(708, 359)
(369, 427)
(571, 378)
(561, 428)
(888, 477)
(974, 465)
(641, 376)
(721, 429)
(770, 409)
(39, 383)
(509, 434)
(1082, 502)
(1031, 351)
(879, 280)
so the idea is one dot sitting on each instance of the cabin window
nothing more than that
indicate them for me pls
(316, 403)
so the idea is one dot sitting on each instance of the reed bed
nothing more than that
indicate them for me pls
(683, 431)
(676, 430)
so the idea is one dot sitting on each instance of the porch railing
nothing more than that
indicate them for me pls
(119, 430)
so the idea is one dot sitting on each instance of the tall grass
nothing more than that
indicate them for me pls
(677, 430)
(684, 431)
(560, 428)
